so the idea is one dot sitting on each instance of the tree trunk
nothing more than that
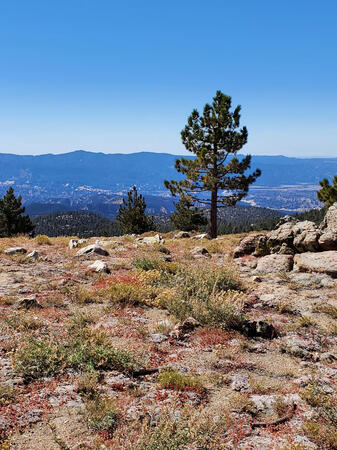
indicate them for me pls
(214, 214)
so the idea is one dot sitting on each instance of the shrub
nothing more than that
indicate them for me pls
(42, 239)
(182, 429)
(7, 394)
(242, 403)
(91, 350)
(146, 263)
(87, 384)
(172, 379)
(324, 431)
(131, 294)
(326, 308)
(23, 322)
(102, 414)
(37, 358)
(209, 294)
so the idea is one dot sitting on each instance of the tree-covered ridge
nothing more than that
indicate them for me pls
(75, 223)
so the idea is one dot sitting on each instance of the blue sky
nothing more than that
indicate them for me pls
(110, 76)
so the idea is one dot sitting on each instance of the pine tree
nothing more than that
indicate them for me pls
(328, 193)
(132, 215)
(12, 221)
(215, 139)
(186, 217)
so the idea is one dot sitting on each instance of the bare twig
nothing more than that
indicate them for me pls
(277, 421)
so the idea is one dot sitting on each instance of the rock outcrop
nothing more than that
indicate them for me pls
(291, 236)
(321, 262)
(314, 246)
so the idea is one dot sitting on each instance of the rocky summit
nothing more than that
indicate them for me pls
(141, 342)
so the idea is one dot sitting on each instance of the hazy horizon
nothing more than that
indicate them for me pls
(120, 78)
(154, 152)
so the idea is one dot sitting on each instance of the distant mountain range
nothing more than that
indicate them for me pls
(97, 182)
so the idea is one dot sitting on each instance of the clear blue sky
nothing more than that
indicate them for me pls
(122, 76)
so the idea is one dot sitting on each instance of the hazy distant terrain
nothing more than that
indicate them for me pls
(97, 182)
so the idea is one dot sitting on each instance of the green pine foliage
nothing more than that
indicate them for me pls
(132, 216)
(12, 221)
(215, 138)
(328, 193)
(186, 217)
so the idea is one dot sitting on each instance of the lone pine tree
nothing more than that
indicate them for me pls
(131, 214)
(328, 193)
(12, 221)
(215, 138)
(186, 217)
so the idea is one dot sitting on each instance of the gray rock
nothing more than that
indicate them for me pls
(328, 240)
(182, 234)
(157, 338)
(15, 250)
(28, 303)
(240, 382)
(90, 249)
(275, 264)
(200, 251)
(322, 262)
(247, 245)
(330, 219)
(311, 280)
(306, 235)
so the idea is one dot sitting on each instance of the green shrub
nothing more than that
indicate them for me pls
(91, 350)
(37, 358)
(187, 429)
(172, 379)
(87, 384)
(102, 414)
(209, 294)
(146, 263)
(42, 239)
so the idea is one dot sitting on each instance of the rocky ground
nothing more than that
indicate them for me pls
(164, 343)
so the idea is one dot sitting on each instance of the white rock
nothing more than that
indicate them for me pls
(15, 250)
(99, 267)
(73, 243)
(33, 255)
(202, 236)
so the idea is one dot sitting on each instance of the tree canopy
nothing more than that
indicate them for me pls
(132, 216)
(186, 217)
(328, 193)
(12, 221)
(215, 137)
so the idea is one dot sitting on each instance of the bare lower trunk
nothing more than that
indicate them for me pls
(214, 214)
